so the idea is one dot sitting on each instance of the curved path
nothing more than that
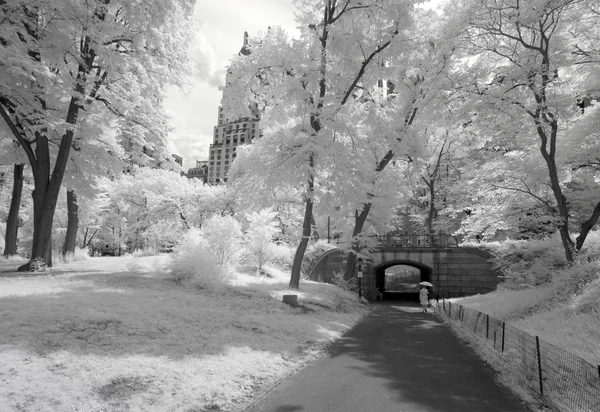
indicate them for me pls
(397, 359)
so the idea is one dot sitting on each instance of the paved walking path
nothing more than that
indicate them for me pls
(398, 359)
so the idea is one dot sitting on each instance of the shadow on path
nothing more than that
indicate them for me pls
(397, 359)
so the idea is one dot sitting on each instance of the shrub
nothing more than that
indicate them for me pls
(193, 261)
(526, 263)
(147, 251)
(259, 237)
(79, 255)
(223, 235)
(350, 285)
(282, 255)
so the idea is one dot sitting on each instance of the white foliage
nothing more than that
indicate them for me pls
(259, 237)
(223, 235)
(194, 261)
(154, 207)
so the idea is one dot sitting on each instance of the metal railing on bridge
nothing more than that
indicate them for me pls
(415, 240)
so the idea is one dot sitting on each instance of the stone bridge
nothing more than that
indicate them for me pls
(454, 271)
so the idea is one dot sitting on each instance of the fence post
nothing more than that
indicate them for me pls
(476, 322)
(450, 309)
(487, 326)
(598, 371)
(503, 329)
(537, 344)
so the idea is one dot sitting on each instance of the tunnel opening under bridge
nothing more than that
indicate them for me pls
(399, 280)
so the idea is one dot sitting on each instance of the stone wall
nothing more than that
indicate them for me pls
(454, 271)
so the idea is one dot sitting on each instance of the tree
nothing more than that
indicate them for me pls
(260, 235)
(12, 221)
(83, 63)
(525, 47)
(154, 207)
(9, 154)
(303, 84)
(223, 234)
(72, 223)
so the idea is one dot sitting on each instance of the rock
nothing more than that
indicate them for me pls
(291, 300)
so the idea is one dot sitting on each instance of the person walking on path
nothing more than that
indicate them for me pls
(424, 298)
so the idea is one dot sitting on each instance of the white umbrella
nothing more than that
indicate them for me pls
(426, 284)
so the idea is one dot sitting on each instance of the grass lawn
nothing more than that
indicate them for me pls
(117, 334)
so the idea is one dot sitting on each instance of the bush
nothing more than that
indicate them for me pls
(147, 251)
(259, 237)
(193, 261)
(223, 235)
(350, 285)
(282, 256)
(526, 263)
(79, 255)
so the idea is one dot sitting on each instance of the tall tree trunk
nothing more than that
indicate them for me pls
(72, 223)
(12, 222)
(548, 151)
(587, 226)
(315, 232)
(431, 212)
(47, 187)
(359, 223)
(306, 227)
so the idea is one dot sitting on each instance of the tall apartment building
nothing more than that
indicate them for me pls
(229, 133)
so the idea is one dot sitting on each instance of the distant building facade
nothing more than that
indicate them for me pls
(178, 159)
(228, 134)
(199, 172)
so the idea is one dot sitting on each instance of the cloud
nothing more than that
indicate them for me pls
(205, 63)
(189, 144)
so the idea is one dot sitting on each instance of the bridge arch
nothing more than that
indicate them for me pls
(454, 271)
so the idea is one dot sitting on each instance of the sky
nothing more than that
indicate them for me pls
(222, 24)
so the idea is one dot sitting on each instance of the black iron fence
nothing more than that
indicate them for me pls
(566, 381)
(414, 240)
